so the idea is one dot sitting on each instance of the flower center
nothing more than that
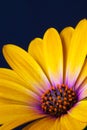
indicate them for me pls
(57, 101)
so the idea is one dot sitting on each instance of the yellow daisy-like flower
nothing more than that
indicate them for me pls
(48, 84)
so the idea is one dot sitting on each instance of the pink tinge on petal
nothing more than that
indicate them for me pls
(43, 87)
(82, 94)
(70, 83)
(82, 91)
(71, 78)
(82, 75)
(56, 82)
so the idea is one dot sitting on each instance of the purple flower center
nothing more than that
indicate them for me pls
(57, 101)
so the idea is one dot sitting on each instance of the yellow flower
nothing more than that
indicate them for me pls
(47, 84)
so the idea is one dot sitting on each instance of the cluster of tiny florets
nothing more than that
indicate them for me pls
(58, 100)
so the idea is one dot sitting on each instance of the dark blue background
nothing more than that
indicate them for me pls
(23, 20)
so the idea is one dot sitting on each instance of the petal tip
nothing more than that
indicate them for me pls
(50, 30)
(83, 22)
(5, 47)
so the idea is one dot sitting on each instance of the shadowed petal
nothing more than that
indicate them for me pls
(17, 116)
(43, 124)
(66, 35)
(82, 90)
(11, 112)
(82, 76)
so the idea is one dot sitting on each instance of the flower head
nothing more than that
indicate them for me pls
(47, 84)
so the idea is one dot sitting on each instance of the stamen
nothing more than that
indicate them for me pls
(58, 100)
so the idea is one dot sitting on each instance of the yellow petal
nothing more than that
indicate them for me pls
(69, 123)
(82, 76)
(16, 92)
(5, 100)
(36, 50)
(79, 111)
(10, 75)
(15, 122)
(9, 113)
(66, 35)
(53, 55)
(48, 53)
(43, 124)
(77, 53)
(16, 88)
(26, 67)
(12, 121)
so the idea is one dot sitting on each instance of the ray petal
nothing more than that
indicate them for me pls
(48, 53)
(26, 67)
(77, 53)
